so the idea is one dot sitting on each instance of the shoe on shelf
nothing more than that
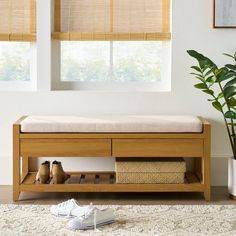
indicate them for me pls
(70, 208)
(92, 219)
(43, 174)
(58, 174)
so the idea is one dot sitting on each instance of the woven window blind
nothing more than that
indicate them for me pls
(112, 20)
(17, 20)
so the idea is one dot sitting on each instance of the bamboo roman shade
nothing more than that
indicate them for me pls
(17, 20)
(112, 20)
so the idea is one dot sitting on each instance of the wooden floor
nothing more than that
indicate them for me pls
(219, 196)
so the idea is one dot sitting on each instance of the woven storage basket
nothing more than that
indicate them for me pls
(168, 170)
(149, 178)
(150, 165)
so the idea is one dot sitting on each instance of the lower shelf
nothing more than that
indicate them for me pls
(105, 182)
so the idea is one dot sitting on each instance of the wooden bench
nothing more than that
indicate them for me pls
(151, 144)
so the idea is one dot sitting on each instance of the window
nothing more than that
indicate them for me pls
(137, 61)
(17, 66)
(126, 65)
(17, 30)
(120, 43)
(14, 61)
(111, 61)
(85, 61)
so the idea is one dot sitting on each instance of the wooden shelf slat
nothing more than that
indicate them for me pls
(191, 178)
(104, 179)
(112, 188)
(88, 179)
(105, 182)
(74, 179)
(30, 178)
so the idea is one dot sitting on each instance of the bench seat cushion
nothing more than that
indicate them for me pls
(111, 123)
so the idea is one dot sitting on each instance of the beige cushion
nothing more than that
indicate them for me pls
(112, 123)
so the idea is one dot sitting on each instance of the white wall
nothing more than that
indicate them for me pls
(192, 29)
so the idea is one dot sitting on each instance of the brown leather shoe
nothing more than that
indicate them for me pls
(58, 174)
(43, 174)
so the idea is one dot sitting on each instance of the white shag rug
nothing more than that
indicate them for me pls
(138, 220)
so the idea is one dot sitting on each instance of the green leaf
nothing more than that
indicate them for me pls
(208, 72)
(210, 79)
(228, 55)
(220, 95)
(229, 91)
(203, 61)
(230, 114)
(234, 124)
(206, 67)
(201, 86)
(195, 54)
(231, 82)
(224, 75)
(192, 73)
(200, 78)
(208, 91)
(221, 71)
(223, 104)
(217, 106)
(210, 100)
(196, 68)
(231, 67)
(232, 102)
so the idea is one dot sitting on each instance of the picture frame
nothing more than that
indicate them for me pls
(224, 14)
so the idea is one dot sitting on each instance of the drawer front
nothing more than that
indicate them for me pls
(65, 147)
(157, 147)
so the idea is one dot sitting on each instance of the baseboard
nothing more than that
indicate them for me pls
(219, 168)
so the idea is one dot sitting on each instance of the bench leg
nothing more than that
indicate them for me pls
(206, 178)
(16, 162)
(16, 178)
(16, 194)
(207, 195)
(206, 164)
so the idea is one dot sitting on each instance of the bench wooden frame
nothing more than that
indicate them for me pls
(33, 145)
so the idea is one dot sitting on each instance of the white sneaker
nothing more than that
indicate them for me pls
(92, 219)
(70, 208)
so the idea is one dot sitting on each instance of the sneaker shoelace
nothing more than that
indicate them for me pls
(95, 221)
(67, 204)
(87, 214)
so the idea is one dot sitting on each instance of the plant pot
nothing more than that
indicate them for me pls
(232, 177)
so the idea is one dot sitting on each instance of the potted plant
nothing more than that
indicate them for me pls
(220, 84)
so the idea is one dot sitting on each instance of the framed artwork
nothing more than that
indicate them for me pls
(224, 14)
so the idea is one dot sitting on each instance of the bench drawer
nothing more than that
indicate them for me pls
(157, 147)
(65, 147)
